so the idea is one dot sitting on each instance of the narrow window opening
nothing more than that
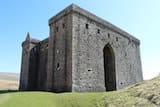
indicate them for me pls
(58, 66)
(87, 26)
(108, 35)
(57, 28)
(117, 39)
(98, 31)
(47, 46)
(63, 25)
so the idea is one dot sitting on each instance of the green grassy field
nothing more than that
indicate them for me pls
(145, 94)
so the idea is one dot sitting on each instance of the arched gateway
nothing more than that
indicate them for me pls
(109, 68)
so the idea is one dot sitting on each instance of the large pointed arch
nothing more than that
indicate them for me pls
(109, 68)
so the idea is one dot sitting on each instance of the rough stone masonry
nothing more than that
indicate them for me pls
(83, 53)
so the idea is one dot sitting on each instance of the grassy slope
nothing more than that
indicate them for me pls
(145, 94)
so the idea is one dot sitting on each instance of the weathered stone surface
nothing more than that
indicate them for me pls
(83, 53)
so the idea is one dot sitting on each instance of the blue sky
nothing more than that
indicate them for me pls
(140, 18)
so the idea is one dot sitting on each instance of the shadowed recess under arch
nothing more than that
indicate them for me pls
(109, 68)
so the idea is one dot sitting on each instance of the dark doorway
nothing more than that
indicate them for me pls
(109, 68)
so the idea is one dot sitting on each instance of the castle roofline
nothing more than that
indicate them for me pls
(35, 40)
(76, 9)
(30, 40)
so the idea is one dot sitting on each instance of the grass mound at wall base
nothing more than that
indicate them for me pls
(145, 94)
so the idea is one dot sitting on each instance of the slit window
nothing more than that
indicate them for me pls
(63, 25)
(47, 46)
(108, 35)
(87, 26)
(58, 66)
(57, 28)
(98, 31)
(117, 39)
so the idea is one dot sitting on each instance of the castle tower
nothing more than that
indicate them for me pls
(60, 54)
(27, 45)
(87, 53)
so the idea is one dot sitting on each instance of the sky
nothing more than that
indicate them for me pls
(140, 18)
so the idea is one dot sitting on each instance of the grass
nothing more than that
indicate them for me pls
(145, 94)
(45, 99)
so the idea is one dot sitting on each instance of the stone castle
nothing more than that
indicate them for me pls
(83, 53)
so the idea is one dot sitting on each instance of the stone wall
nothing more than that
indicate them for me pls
(27, 46)
(42, 64)
(34, 65)
(90, 36)
(33, 68)
(59, 56)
